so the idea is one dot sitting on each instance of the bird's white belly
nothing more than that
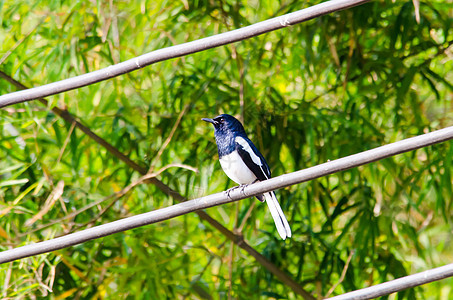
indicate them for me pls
(235, 168)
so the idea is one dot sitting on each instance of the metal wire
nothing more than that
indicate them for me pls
(235, 195)
(399, 284)
(177, 51)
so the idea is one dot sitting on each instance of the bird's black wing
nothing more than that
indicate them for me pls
(252, 158)
(257, 164)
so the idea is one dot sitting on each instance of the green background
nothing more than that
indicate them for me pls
(317, 91)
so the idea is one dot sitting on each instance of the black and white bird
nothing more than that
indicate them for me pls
(244, 164)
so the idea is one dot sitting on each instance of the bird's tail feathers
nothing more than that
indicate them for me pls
(277, 214)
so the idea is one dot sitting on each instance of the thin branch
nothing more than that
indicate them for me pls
(230, 270)
(66, 141)
(127, 189)
(19, 42)
(399, 284)
(168, 139)
(116, 196)
(7, 275)
(258, 188)
(247, 216)
(56, 193)
(343, 274)
(178, 50)
(237, 239)
(74, 213)
(270, 266)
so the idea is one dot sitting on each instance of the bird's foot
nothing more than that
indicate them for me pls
(241, 186)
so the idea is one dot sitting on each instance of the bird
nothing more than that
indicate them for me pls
(244, 164)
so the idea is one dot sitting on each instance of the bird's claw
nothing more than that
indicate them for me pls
(243, 186)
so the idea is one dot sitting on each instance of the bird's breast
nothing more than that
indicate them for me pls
(235, 168)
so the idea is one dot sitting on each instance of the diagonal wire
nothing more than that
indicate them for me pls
(179, 50)
(399, 284)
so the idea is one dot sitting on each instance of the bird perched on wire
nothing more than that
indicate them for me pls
(244, 164)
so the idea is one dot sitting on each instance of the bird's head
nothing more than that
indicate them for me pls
(226, 123)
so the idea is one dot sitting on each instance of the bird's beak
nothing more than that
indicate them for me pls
(209, 120)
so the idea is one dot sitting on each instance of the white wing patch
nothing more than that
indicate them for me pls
(241, 141)
(255, 158)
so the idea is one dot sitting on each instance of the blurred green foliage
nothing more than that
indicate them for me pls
(337, 85)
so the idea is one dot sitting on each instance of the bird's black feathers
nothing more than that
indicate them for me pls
(262, 171)
(226, 129)
(244, 164)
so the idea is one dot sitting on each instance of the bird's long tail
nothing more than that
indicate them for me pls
(277, 214)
